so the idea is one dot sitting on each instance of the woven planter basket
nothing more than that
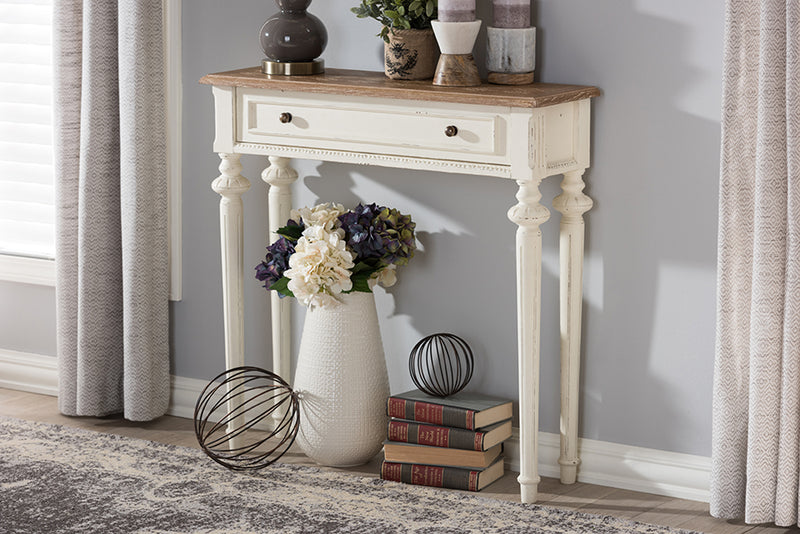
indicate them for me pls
(410, 54)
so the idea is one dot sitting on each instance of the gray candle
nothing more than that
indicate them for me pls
(511, 13)
(456, 10)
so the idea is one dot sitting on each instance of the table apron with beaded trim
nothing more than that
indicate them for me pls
(520, 133)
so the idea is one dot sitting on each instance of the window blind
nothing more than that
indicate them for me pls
(27, 199)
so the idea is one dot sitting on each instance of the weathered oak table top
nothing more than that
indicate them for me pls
(376, 84)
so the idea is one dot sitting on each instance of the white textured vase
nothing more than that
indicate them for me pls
(342, 381)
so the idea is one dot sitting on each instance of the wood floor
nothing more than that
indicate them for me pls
(589, 498)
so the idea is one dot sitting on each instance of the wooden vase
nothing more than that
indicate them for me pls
(456, 66)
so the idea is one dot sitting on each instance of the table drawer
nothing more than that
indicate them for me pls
(357, 125)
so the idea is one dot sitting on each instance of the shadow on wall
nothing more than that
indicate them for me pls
(648, 341)
(649, 312)
(649, 348)
(455, 282)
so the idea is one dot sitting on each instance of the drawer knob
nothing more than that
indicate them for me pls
(286, 117)
(451, 131)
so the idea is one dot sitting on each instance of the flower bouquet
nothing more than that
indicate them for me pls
(326, 250)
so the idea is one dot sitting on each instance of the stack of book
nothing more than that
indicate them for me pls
(453, 442)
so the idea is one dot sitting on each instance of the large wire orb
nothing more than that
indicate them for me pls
(246, 418)
(441, 364)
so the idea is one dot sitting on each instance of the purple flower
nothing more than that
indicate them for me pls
(363, 232)
(377, 239)
(276, 262)
(379, 235)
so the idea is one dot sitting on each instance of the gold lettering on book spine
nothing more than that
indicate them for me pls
(398, 431)
(427, 475)
(431, 435)
(392, 471)
(397, 408)
(473, 480)
(429, 413)
(470, 419)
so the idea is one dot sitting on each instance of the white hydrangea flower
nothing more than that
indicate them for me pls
(387, 277)
(319, 233)
(323, 215)
(319, 269)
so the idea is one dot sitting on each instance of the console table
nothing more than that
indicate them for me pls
(520, 133)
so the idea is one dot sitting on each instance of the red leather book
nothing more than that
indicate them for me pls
(445, 436)
(441, 476)
(462, 410)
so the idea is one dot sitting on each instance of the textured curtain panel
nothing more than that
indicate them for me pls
(757, 375)
(112, 265)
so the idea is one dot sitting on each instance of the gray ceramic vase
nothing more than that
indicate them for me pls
(293, 35)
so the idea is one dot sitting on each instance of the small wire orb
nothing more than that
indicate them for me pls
(246, 418)
(441, 364)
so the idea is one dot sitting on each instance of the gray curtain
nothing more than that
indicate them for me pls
(111, 186)
(757, 373)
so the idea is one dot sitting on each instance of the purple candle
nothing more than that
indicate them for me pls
(511, 13)
(456, 10)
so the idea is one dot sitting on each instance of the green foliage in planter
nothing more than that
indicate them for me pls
(398, 14)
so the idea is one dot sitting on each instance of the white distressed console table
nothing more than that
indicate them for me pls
(522, 133)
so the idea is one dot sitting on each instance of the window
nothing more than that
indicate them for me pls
(27, 191)
(27, 214)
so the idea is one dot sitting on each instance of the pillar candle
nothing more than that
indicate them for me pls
(511, 13)
(456, 10)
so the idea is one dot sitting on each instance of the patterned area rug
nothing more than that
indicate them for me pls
(59, 479)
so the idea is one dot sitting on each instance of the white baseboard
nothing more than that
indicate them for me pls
(672, 474)
(36, 373)
(185, 392)
(683, 476)
(28, 372)
(615, 465)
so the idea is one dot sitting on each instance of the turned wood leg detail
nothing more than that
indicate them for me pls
(280, 176)
(572, 203)
(528, 214)
(231, 185)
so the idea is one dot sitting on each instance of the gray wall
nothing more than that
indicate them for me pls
(651, 242)
(28, 318)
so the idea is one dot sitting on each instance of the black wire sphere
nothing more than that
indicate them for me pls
(246, 418)
(441, 364)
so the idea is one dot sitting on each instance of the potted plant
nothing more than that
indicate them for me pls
(326, 251)
(329, 259)
(410, 48)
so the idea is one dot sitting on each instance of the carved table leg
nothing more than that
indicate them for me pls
(528, 214)
(572, 204)
(280, 176)
(231, 185)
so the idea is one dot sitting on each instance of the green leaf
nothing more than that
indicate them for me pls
(282, 287)
(290, 232)
(398, 14)
(361, 282)
(360, 266)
